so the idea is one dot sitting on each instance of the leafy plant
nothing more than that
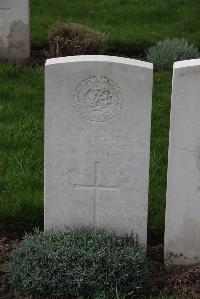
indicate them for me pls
(79, 261)
(166, 52)
(74, 39)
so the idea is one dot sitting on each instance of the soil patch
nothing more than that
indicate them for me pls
(37, 58)
(7, 244)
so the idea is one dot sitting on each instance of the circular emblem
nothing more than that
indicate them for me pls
(98, 99)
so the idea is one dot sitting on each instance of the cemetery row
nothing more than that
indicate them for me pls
(97, 137)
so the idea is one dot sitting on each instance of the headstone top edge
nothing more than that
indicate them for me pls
(99, 58)
(186, 63)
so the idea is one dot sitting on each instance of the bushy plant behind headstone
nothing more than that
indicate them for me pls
(73, 39)
(75, 262)
(166, 52)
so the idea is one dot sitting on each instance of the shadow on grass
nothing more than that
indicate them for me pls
(23, 219)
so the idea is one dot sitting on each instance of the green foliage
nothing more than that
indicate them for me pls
(132, 25)
(74, 39)
(77, 261)
(165, 53)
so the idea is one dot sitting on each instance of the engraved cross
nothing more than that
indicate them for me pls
(95, 187)
(4, 8)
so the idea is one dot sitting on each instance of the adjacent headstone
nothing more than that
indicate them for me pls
(182, 228)
(97, 136)
(14, 29)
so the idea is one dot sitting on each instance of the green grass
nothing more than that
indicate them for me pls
(21, 148)
(132, 25)
(159, 150)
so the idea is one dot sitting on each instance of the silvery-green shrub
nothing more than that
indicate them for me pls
(166, 52)
(75, 262)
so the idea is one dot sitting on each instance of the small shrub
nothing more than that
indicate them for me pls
(76, 262)
(74, 39)
(166, 52)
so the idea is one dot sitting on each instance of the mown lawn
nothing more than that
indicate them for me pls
(132, 25)
(21, 148)
(159, 150)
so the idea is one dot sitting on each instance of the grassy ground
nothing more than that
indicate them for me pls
(132, 25)
(159, 150)
(21, 148)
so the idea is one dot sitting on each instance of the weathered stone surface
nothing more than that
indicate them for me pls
(97, 133)
(182, 233)
(14, 29)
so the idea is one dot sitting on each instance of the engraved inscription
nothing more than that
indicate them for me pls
(198, 165)
(195, 151)
(198, 157)
(95, 187)
(98, 99)
(97, 146)
(4, 8)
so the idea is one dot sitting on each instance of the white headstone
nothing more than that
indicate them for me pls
(182, 228)
(97, 135)
(14, 29)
